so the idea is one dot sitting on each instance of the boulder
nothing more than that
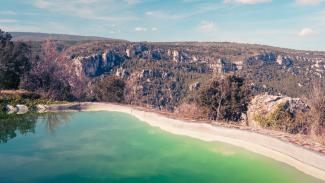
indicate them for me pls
(121, 73)
(195, 86)
(10, 109)
(22, 109)
(265, 104)
(285, 61)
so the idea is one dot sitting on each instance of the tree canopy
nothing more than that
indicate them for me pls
(14, 62)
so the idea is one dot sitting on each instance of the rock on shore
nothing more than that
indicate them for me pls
(265, 104)
(10, 109)
(22, 109)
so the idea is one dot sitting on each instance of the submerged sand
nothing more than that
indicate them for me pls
(307, 161)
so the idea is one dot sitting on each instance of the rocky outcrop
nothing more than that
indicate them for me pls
(285, 61)
(265, 104)
(267, 57)
(188, 63)
(223, 66)
(98, 64)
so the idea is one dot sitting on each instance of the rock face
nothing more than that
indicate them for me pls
(21, 109)
(100, 63)
(224, 66)
(161, 69)
(268, 57)
(265, 104)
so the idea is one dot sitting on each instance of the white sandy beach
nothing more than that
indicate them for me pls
(307, 161)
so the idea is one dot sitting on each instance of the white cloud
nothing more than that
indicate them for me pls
(306, 32)
(309, 2)
(191, 1)
(247, 1)
(8, 20)
(140, 29)
(132, 1)
(207, 26)
(154, 29)
(167, 16)
(48, 27)
(144, 29)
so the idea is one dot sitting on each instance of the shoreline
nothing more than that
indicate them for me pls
(310, 162)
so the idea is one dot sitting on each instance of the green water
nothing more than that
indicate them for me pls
(115, 147)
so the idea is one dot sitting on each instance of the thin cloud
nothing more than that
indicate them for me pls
(207, 26)
(88, 9)
(140, 29)
(18, 28)
(8, 20)
(144, 29)
(8, 13)
(163, 15)
(306, 32)
(309, 2)
(247, 1)
(154, 29)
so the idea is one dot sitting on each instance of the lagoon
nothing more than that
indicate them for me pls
(117, 147)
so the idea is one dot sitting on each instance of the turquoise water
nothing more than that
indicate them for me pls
(106, 147)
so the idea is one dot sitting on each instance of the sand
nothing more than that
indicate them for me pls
(307, 161)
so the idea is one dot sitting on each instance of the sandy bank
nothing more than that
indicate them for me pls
(309, 162)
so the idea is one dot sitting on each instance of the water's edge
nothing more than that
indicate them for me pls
(309, 162)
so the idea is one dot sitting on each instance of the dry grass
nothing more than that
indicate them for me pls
(316, 101)
(190, 110)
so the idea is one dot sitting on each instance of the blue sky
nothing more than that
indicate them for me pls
(296, 24)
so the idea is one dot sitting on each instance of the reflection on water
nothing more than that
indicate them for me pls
(13, 124)
(54, 120)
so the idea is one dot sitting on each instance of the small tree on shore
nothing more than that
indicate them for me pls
(14, 61)
(226, 98)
